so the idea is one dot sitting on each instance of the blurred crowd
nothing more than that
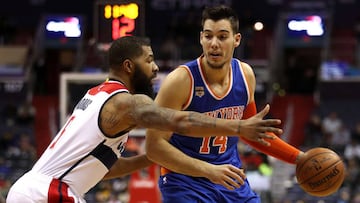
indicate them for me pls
(17, 143)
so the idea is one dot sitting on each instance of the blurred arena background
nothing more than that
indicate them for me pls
(305, 54)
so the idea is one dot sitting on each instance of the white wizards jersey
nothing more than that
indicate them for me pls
(80, 154)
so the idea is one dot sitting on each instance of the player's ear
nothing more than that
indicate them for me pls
(200, 37)
(237, 39)
(128, 66)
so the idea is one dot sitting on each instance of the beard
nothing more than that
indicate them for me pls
(214, 65)
(142, 83)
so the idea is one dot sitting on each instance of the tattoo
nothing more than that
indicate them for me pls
(156, 115)
(110, 119)
(147, 114)
(201, 120)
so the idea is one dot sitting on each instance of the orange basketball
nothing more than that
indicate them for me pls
(320, 172)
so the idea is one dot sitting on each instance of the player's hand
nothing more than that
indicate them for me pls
(227, 175)
(256, 128)
(300, 156)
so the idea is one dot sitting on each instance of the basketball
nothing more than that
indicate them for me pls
(320, 172)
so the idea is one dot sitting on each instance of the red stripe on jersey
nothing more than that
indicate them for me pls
(107, 87)
(58, 192)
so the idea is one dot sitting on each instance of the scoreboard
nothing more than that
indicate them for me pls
(118, 18)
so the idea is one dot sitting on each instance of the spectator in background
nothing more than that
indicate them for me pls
(252, 160)
(352, 177)
(355, 133)
(344, 195)
(23, 154)
(313, 131)
(352, 150)
(340, 139)
(331, 124)
(25, 114)
(8, 114)
(7, 138)
(104, 191)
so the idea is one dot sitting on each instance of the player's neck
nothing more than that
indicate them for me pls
(125, 82)
(219, 76)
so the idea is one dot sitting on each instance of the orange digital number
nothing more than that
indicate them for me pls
(218, 141)
(122, 26)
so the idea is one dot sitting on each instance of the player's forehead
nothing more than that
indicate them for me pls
(212, 26)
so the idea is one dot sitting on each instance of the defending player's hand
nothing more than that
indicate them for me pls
(258, 129)
(227, 175)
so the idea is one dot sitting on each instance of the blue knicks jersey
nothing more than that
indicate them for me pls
(231, 105)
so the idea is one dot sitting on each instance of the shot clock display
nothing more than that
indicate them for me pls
(118, 18)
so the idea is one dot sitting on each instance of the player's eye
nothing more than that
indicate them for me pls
(208, 36)
(223, 37)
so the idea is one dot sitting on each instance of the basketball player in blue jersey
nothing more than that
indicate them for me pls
(197, 169)
(88, 147)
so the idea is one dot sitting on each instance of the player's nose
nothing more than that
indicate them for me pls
(155, 68)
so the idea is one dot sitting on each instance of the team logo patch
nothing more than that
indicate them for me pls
(199, 91)
(164, 180)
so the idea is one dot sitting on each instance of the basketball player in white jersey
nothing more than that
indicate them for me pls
(88, 147)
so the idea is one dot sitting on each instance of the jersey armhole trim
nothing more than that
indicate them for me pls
(246, 81)
(190, 96)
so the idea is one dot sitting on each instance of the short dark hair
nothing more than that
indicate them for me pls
(217, 13)
(127, 47)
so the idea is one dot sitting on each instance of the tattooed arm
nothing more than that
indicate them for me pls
(125, 111)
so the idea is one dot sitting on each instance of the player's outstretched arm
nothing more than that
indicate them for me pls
(145, 113)
(275, 147)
